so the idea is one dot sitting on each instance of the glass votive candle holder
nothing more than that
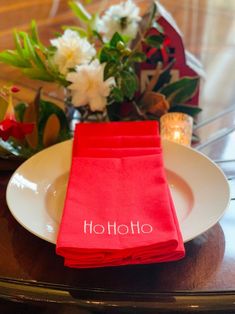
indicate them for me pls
(177, 127)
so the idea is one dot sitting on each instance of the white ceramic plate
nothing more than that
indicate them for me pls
(36, 191)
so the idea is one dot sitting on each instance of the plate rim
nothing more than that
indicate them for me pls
(165, 145)
(219, 171)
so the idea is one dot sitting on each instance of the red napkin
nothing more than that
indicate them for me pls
(134, 128)
(117, 130)
(118, 208)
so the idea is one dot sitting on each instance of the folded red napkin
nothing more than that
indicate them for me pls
(134, 128)
(116, 152)
(115, 129)
(96, 142)
(118, 208)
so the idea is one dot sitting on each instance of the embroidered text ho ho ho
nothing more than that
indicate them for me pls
(114, 228)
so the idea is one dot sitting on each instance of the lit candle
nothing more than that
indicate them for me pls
(177, 127)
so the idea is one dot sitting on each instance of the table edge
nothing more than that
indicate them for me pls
(18, 290)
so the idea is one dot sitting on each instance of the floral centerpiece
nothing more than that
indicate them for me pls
(98, 65)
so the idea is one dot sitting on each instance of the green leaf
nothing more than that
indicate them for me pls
(38, 74)
(97, 35)
(18, 44)
(19, 111)
(25, 50)
(164, 77)
(137, 57)
(80, 12)
(104, 55)
(110, 69)
(109, 54)
(126, 38)
(153, 11)
(153, 22)
(154, 41)
(51, 50)
(188, 109)
(11, 57)
(30, 51)
(115, 39)
(57, 35)
(27, 46)
(92, 24)
(152, 17)
(3, 107)
(31, 56)
(34, 32)
(129, 84)
(117, 94)
(180, 91)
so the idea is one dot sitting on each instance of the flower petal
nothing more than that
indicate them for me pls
(11, 127)
(88, 86)
(71, 50)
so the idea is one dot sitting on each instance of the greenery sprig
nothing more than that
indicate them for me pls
(32, 57)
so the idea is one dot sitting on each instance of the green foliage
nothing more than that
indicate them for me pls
(180, 91)
(13, 58)
(32, 57)
(117, 94)
(154, 41)
(152, 19)
(87, 20)
(120, 62)
(153, 13)
(80, 11)
(117, 42)
(110, 54)
(129, 83)
(97, 35)
(164, 77)
(188, 109)
(19, 111)
(34, 34)
(137, 57)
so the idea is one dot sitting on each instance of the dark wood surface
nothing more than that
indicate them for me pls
(30, 271)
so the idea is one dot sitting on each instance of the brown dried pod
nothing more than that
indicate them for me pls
(155, 103)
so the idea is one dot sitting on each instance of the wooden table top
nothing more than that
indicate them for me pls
(30, 271)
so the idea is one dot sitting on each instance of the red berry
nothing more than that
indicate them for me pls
(15, 89)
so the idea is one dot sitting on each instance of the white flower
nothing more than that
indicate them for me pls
(88, 86)
(122, 18)
(71, 51)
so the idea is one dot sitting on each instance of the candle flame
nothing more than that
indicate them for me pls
(177, 135)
